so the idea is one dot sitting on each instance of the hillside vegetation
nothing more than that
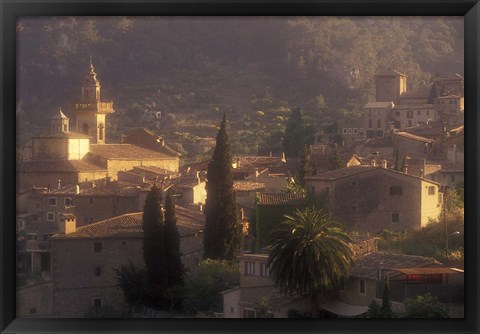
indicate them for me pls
(197, 68)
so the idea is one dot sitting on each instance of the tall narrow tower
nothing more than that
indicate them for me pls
(390, 85)
(59, 122)
(90, 112)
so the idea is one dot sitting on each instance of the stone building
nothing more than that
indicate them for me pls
(374, 198)
(376, 118)
(83, 156)
(84, 261)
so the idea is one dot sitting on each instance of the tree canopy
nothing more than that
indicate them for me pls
(310, 254)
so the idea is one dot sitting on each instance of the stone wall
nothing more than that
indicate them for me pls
(35, 300)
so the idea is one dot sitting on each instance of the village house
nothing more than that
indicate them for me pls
(374, 198)
(407, 144)
(409, 276)
(84, 259)
(376, 118)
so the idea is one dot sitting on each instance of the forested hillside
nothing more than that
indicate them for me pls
(195, 69)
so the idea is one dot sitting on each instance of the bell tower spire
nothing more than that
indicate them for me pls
(90, 112)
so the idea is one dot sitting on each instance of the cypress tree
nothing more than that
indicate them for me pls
(172, 244)
(297, 134)
(223, 233)
(386, 308)
(153, 250)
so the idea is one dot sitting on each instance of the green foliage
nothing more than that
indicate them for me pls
(426, 306)
(374, 310)
(203, 287)
(153, 246)
(297, 134)
(223, 231)
(456, 198)
(306, 166)
(132, 282)
(428, 241)
(386, 308)
(335, 162)
(174, 264)
(310, 254)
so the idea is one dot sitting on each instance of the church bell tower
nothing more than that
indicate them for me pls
(90, 112)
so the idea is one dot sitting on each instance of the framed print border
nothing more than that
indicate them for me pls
(10, 10)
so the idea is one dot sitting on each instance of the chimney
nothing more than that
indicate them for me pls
(384, 163)
(373, 163)
(284, 159)
(93, 184)
(59, 185)
(405, 169)
(68, 223)
(198, 177)
(421, 172)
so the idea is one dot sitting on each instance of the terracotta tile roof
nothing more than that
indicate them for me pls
(343, 172)
(256, 296)
(116, 188)
(130, 226)
(196, 167)
(58, 166)
(281, 199)
(248, 186)
(125, 151)
(359, 169)
(249, 163)
(367, 266)
(413, 137)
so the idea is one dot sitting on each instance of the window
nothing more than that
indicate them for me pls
(344, 131)
(362, 287)
(428, 112)
(431, 190)
(264, 271)
(409, 114)
(355, 131)
(98, 271)
(395, 217)
(361, 130)
(396, 191)
(419, 112)
(370, 123)
(379, 123)
(397, 113)
(249, 268)
(232, 309)
(452, 178)
(249, 313)
(97, 247)
(32, 237)
(52, 201)
(50, 216)
(97, 302)
(67, 201)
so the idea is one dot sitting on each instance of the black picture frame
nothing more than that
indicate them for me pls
(11, 9)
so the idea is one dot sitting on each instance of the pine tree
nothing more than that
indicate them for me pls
(172, 244)
(153, 250)
(297, 134)
(223, 233)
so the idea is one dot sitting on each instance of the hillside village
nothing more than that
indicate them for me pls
(80, 200)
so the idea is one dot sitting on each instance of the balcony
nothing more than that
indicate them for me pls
(99, 107)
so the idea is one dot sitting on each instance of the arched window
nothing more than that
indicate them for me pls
(85, 128)
(100, 131)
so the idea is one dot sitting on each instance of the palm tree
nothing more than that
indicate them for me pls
(310, 254)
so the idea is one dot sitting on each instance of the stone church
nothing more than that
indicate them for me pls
(62, 157)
